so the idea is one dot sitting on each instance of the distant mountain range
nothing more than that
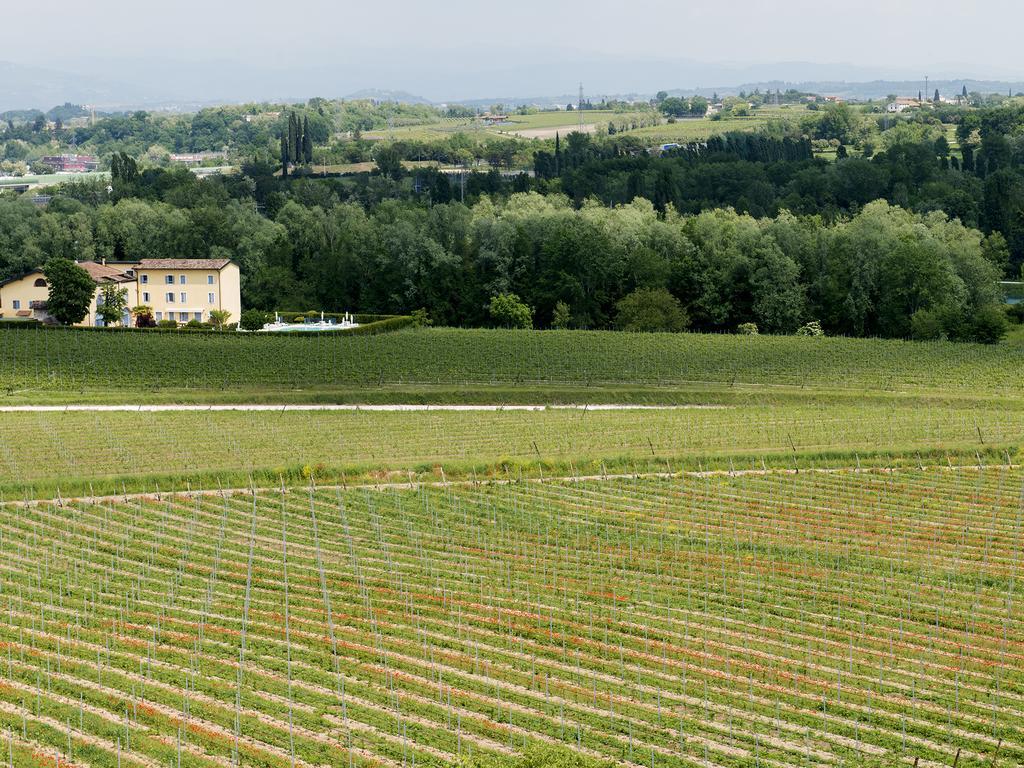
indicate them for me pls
(122, 84)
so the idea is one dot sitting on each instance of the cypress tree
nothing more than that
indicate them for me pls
(293, 138)
(307, 141)
(558, 154)
(285, 156)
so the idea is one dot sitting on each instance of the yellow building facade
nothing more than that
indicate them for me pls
(188, 289)
(176, 289)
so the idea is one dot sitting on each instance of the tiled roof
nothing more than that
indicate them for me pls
(102, 273)
(183, 263)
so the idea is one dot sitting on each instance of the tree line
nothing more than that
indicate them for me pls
(300, 244)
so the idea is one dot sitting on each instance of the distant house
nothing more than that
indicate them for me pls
(176, 289)
(72, 163)
(901, 104)
(196, 158)
(494, 119)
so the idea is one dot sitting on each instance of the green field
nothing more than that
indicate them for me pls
(67, 363)
(812, 561)
(52, 179)
(45, 452)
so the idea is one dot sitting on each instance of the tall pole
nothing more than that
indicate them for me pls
(579, 108)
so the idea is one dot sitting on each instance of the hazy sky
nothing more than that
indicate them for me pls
(983, 35)
(467, 48)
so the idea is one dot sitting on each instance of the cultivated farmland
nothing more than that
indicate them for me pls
(807, 554)
(41, 452)
(818, 619)
(79, 361)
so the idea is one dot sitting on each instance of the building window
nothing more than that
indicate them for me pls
(16, 303)
(184, 297)
(159, 316)
(145, 279)
(183, 280)
(209, 279)
(199, 316)
(212, 298)
(145, 297)
(170, 315)
(169, 279)
(170, 298)
(40, 282)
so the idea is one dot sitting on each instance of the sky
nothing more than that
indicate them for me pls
(452, 47)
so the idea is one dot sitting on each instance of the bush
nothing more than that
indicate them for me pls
(1015, 313)
(421, 319)
(928, 325)
(145, 320)
(989, 324)
(253, 320)
(812, 328)
(747, 329)
(561, 318)
(167, 324)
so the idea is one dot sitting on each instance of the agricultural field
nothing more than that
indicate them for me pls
(43, 453)
(773, 552)
(70, 364)
(818, 619)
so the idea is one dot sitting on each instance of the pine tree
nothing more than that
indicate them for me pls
(307, 142)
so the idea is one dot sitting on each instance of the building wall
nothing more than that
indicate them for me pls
(226, 290)
(25, 291)
(92, 319)
(22, 292)
(231, 280)
(197, 287)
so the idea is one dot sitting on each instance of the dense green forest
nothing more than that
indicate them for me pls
(908, 238)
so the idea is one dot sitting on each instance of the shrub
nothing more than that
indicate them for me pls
(1015, 313)
(167, 324)
(747, 329)
(928, 325)
(812, 328)
(562, 317)
(253, 319)
(143, 316)
(219, 318)
(421, 318)
(989, 324)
